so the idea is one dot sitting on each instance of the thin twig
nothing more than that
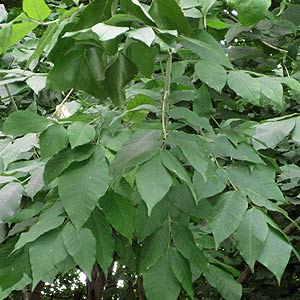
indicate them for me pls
(167, 87)
(63, 102)
(11, 97)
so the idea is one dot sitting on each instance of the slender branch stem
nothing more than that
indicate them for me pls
(63, 102)
(11, 97)
(165, 104)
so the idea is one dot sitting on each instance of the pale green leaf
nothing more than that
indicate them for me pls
(107, 32)
(10, 199)
(81, 186)
(271, 89)
(227, 214)
(153, 182)
(144, 34)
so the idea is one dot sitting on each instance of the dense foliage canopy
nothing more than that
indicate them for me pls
(153, 146)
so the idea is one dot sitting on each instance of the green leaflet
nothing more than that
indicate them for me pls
(182, 271)
(251, 236)
(275, 253)
(81, 186)
(168, 15)
(153, 182)
(63, 159)
(53, 140)
(153, 248)
(102, 232)
(227, 214)
(45, 253)
(22, 122)
(250, 11)
(49, 219)
(224, 283)
(212, 74)
(185, 244)
(120, 213)
(36, 9)
(160, 282)
(81, 245)
(80, 133)
(244, 85)
(138, 149)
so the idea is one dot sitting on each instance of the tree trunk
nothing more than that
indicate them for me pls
(95, 287)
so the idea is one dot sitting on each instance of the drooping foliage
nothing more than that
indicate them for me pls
(152, 142)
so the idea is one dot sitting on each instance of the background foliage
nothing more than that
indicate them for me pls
(153, 146)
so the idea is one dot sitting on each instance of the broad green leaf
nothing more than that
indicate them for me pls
(5, 33)
(45, 253)
(153, 182)
(227, 214)
(144, 34)
(146, 225)
(275, 253)
(270, 134)
(260, 179)
(138, 149)
(251, 236)
(271, 89)
(63, 159)
(224, 283)
(102, 232)
(22, 122)
(21, 27)
(117, 75)
(212, 74)
(174, 165)
(53, 140)
(206, 47)
(168, 15)
(80, 133)
(190, 117)
(80, 68)
(49, 219)
(290, 82)
(10, 199)
(160, 282)
(143, 57)
(244, 85)
(185, 244)
(206, 5)
(153, 248)
(81, 186)
(182, 271)
(250, 11)
(36, 9)
(81, 245)
(202, 104)
(119, 211)
(214, 182)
